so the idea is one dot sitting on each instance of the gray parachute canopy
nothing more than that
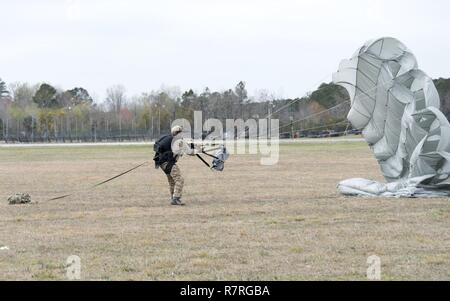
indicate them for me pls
(396, 106)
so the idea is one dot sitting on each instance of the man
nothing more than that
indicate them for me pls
(168, 149)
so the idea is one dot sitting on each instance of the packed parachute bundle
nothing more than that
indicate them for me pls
(19, 198)
(396, 106)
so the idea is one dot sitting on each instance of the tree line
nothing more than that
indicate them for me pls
(41, 112)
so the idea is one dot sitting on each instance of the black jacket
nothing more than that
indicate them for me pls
(165, 143)
(163, 151)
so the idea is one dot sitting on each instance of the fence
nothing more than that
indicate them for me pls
(91, 137)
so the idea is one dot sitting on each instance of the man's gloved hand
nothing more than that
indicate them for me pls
(194, 150)
(181, 147)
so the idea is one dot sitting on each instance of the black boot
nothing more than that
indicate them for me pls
(176, 201)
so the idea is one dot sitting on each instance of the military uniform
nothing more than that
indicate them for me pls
(167, 154)
(175, 179)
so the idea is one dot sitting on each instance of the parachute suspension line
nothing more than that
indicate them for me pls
(322, 126)
(203, 160)
(321, 112)
(332, 108)
(293, 101)
(212, 149)
(212, 156)
(119, 175)
(99, 184)
(216, 158)
(315, 114)
(346, 129)
(298, 99)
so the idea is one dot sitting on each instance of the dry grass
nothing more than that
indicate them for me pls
(251, 222)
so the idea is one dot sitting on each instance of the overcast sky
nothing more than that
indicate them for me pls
(286, 47)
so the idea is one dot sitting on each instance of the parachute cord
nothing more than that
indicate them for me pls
(293, 101)
(99, 184)
(320, 127)
(346, 129)
(336, 106)
(298, 99)
(314, 115)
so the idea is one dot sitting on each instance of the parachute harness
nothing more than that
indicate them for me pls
(218, 164)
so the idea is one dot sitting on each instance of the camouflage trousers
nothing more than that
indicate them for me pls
(176, 181)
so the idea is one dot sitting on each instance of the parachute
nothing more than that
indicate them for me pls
(396, 106)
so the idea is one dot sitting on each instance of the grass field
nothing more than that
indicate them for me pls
(251, 222)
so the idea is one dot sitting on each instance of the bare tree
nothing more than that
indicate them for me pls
(22, 93)
(115, 97)
(4, 98)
